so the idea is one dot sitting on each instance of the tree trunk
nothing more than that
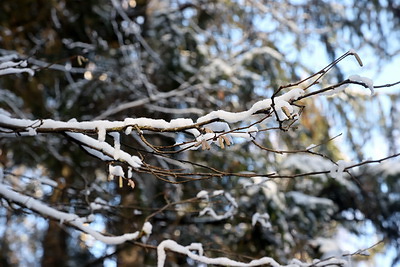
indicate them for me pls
(54, 242)
(54, 246)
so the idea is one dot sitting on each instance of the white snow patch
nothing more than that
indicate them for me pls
(233, 117)
(147, 228)
(95, 206)
(117, 144)
(335, 91)
(338, 171)
(231, 200)
(97, 153)
(202, 194)
(180, 122)
(32, 131)
(128, 130)
(263, 219)
(105, 149)
(218, 192)
(116, 170)
(367, 81)
(11, 67)
(101, 131)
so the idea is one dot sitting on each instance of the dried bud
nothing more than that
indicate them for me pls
(131, 183)
(197, 144)
(287, 112)
(226, 139)
(81, 59)
(205, 145)
(221, 142)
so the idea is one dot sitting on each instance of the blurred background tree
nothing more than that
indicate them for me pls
(173, 58)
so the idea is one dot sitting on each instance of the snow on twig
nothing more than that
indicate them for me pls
(367, 81)
(174, 125)
(217, 122)
(10, 67)
(338, 170)
(69, 218)
(105, 148)
(208, 210)
(263, 219)
(191, 250)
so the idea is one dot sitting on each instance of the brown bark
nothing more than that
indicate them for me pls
(54, 246)
(130, 256)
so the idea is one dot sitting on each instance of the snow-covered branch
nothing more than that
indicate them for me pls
(195, 252)
(105, 151)
(231, 209)
(7, 66)
(198, 108)
(68, 218)
(282, 102)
